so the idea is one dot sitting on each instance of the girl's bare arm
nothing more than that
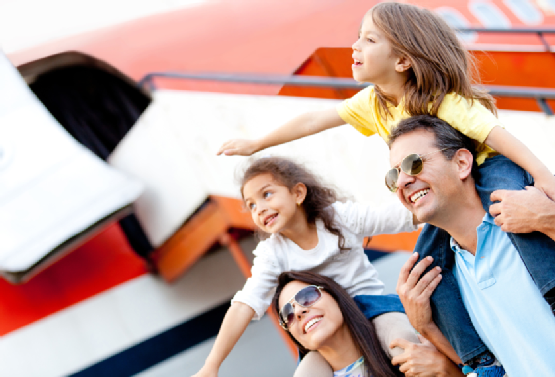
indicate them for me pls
(233, 326)
(304, 125)
(509, 146)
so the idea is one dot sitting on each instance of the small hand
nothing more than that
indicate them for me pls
(521, 211)
(546, 185)
(238, 147)
(415, 292)
(206, 372)
(423, 359)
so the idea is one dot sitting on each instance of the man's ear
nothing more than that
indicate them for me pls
(464, 160)
(299, 190)
(402, 64)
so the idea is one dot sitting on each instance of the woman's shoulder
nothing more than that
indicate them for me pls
(356, 369)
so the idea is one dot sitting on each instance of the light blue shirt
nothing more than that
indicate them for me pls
(505, 306)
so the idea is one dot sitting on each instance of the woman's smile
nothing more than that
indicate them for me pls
(312, 323)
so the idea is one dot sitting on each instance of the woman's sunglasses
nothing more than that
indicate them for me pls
(306, 297)
(411, 165)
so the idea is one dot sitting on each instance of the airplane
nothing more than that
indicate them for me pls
(145, 295)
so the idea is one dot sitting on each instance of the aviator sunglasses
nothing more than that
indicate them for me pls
(306, 297)
(411, 165)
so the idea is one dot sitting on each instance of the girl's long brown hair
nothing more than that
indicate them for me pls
(318, 201)
(439, 63)
(361, 329)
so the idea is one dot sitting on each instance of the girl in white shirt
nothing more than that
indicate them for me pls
(310, 229)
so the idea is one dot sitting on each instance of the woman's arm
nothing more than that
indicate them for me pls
(304, 125)
(509, 146)
(233, 326)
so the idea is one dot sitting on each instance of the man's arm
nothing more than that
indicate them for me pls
(423, 360)
(523, 211)
(415, 295)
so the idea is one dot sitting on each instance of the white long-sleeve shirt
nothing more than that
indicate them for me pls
(351, 269)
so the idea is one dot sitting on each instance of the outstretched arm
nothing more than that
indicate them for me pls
(523, 211)
(234, 324)
(512, 148)
(415, 293)
(304, 125)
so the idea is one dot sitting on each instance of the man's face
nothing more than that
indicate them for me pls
(432, 194)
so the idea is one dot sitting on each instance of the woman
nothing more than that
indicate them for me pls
(320, 316)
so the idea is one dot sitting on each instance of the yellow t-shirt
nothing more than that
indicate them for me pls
(362, 111)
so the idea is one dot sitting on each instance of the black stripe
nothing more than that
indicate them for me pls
(160, 347)
(374, 254)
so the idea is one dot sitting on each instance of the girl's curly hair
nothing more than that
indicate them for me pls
(319, 198)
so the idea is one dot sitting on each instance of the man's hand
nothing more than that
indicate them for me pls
(523, 211)
(238, 147)
(423, 360)
(415, 294)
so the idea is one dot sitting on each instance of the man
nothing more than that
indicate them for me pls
(484, 267)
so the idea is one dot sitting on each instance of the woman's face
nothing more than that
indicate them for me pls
(313, 327)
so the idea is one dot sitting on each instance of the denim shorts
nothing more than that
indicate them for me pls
(374, 305)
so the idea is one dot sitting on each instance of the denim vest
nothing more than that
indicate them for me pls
(536, 250)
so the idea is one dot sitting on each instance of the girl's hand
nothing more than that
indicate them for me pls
(547, 185)
(238, 147)
(207, 372)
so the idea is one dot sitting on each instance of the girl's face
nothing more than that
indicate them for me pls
(373, 57)
(313, 327)
(273, 207)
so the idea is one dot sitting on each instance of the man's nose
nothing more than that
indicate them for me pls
(404, 180)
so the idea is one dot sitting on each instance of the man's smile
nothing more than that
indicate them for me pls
(414, 197)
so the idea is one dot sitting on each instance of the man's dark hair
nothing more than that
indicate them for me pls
(446, 137)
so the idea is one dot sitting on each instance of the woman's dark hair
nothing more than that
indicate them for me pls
(318, 201)
(361, 329)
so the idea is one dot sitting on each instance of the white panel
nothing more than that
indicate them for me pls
(535, 130)
(51, 188)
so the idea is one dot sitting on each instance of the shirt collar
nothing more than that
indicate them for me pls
(486, 219)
